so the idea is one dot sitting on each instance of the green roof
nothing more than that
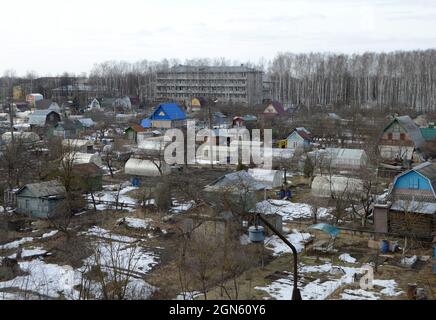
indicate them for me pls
(428, 133)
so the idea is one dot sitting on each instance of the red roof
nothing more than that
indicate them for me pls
(138, 128)
(304, 133)
(278, 107)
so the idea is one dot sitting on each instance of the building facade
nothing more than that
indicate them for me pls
(225, 84)
(410, 208)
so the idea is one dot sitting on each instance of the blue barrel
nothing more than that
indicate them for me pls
(256, 234)
(136, 182)
(384, 246)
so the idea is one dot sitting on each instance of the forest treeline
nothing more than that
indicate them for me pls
(405, 79)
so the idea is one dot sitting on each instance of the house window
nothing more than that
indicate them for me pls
(27, 204)
(414, 183)
(390, 136)
(402, 136)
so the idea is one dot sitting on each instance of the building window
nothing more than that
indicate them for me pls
(402, 136)
(390, 136)
(414, 183)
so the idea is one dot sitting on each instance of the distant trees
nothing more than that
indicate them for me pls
(384, 80)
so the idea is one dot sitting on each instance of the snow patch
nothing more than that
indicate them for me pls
(290, 211)
(347, 258)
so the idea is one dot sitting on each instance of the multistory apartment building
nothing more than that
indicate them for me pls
(225, 84)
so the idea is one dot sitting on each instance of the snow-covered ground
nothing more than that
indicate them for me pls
(27, 253)
(119, 254)
(189, 296)
(347, 258)
(323, 288)
(279, 247)
(105, 234)
(136, 223)
(46, 280)
(109, 195)
(49, 234)
(290, 211)
(113, 252)
(16, 244)
(180, 207)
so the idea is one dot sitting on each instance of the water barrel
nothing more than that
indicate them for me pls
(256, 234)
(384, 246)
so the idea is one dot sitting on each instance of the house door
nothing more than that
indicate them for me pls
(381, 219)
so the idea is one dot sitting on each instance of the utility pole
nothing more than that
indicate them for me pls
(11, 121)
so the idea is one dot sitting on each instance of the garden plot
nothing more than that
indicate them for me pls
(120, 257)
(123, 250)
(42, 281)
(290, 211)
(108, 198)
(18, 243)
(329, 279)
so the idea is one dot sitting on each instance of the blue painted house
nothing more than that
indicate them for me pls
(167, 116)
(419, 182)
(411, 209)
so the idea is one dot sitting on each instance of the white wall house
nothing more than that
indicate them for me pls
(300, 138)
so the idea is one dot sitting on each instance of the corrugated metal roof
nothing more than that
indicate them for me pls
(428, 133)
(415, 133)
(39, 117)
(236, 180)
(168, 111)
(44, 189)
(428, 170)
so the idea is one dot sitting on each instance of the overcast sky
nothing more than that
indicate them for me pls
(52, 36)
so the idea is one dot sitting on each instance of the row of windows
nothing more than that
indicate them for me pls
(202, 83)
(396, 136)
(217, 89)
(219, 95)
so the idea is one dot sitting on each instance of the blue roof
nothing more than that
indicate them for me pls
(146, 123)
(168, 111)
(327, 228)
